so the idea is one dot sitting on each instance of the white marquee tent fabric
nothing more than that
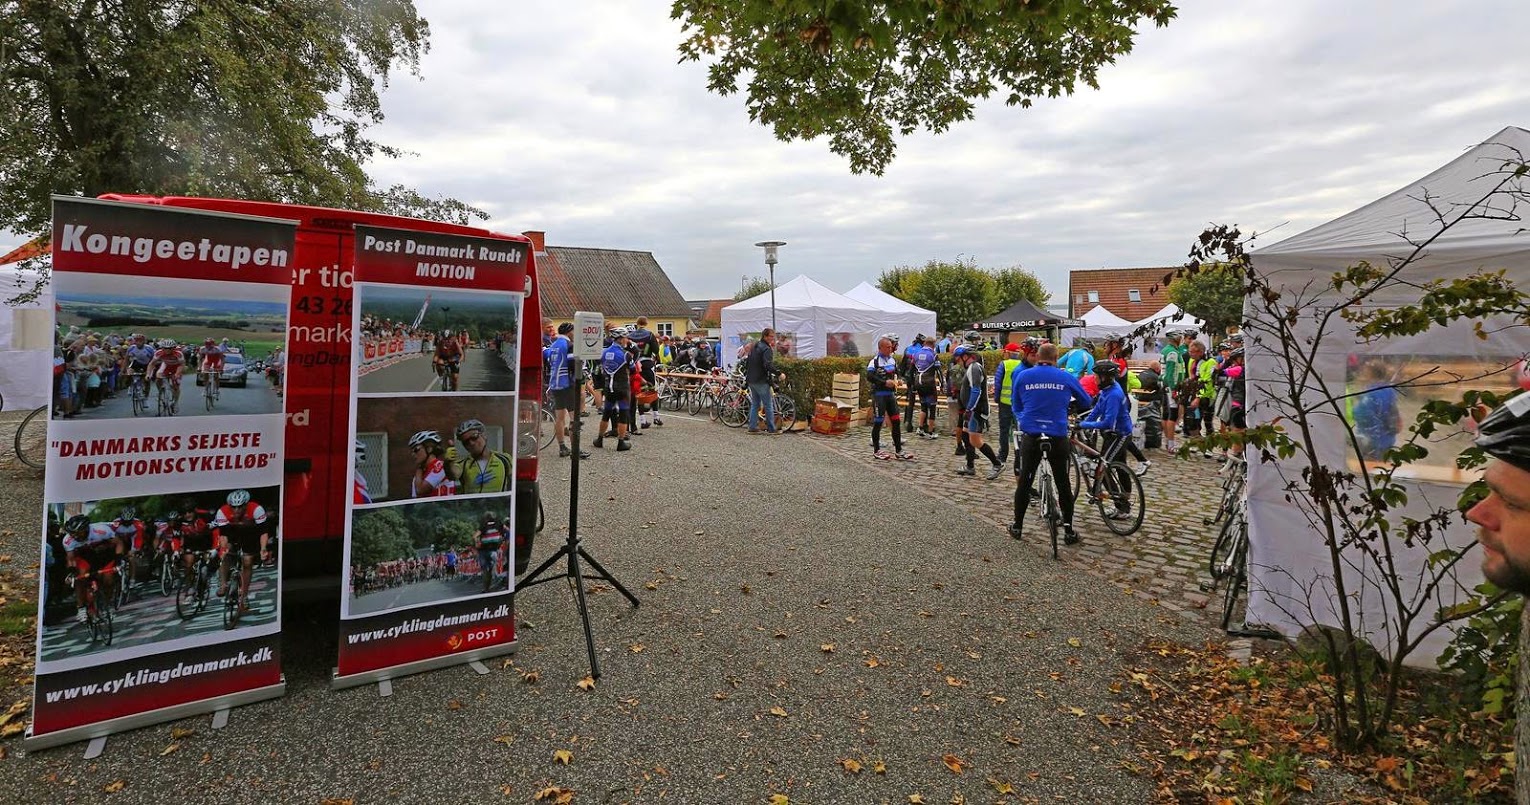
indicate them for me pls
(1290, 575)
(26, 343)
(903, 318)
(1171, 318)
(1100, 323)
(808, 318)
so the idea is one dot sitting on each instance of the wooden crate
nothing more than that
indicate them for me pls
(847, 388)
(831, 418)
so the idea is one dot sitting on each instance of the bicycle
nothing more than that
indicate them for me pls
(32, 438)
(191, 599)
(139, 393)
(210, 390)
(1232, 489)
(1111, 484)
(164, 398)
(98, 609)
(1051, 504)
(231, 599)
(448, 373)
(733, 407)
(124, 588)
(169, 579)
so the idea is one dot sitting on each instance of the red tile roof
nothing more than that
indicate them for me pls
(1112, 288)
(616, 282)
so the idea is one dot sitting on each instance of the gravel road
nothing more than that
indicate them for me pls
(798, 612)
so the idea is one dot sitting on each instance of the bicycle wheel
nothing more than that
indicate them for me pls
(1220, 550)
(1122, 522)
(93, 617)
(786, 412)
(108, 628)
(734, 409)
(207, 395)
(1050, 511)
(1237, 582)
(697, 402)
(231, 599)
(1076, 470)
(140, 398)
(32, 438)
(549, 416)
(188, 599)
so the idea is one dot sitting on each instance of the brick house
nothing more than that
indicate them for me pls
(621, 283)
(1131, 293)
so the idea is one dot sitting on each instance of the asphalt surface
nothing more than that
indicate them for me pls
(255, 397)
(481, 370)
(417, 593)
(798, 611)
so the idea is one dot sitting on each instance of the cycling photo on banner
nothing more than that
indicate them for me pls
(432, 447)
(426, 553)
(418, 340)
(146, 347)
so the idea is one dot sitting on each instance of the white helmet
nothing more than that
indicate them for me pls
(361, 450)
(167, 343)
(424, 436)
(619, 332)
(238, 498)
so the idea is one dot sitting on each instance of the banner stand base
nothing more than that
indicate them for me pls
(384, 688)
(220, 719)
(94, 749)
(99, 731)
(381, 675)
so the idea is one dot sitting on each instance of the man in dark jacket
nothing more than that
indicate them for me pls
(759, 370)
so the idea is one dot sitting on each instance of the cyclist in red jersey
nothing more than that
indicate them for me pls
(240, 523)
(93, 549)
(167, 365)
(210, 364)
(194, 533)
(133, 534)
(448, 359)
(430, 478)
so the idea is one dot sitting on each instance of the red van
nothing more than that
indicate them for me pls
(318, 377)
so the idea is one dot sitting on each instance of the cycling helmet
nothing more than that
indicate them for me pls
(565, 328)
(974, 338)
(1030, 345)
(1236, 353)
(446, 333)
(893, 337)
(1505, 433)
(128, 513)
(618, 332)
(209, 342)
(961, 349)
(361, 450)
(76, 524)
(424, 436)
(238, 497)
(1107, 370)
(166, 343)
(919, 338)
(172, 516)
(467, 425)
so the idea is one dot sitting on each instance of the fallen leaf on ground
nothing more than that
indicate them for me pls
(337, 801)
(504, 739)
(954, 763)
(563, 756)
(636, 648)
(1001, 787)
(851, 765)
(827, 648)
(915, 799)
(454, 705)
(15, 710)
(178, 733)
(779, 799)
(115, 786)
(956, 683)
(1075, 642)
(171, 748)
(555, 795)
(879, 767)
(779, 712)
(872, 662)
(1077, 711)
(531, 677)
(1011, 740)
(588, 683)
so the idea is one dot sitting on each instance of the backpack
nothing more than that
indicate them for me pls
(925, 365)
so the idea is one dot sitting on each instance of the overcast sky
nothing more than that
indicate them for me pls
(575, 118)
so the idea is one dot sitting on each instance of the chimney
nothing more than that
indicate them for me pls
(538, 241)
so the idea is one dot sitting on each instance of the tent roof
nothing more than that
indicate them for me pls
(1385, 225)
(1023, 315)
(800, 294)
(1098, 316)
(882, 300)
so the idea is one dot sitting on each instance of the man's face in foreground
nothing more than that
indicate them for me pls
(1503, 520)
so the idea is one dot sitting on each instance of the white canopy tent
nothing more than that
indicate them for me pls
(811, 322)
(1289, 566)
(1100, 324)
(26, 342)
(1168, 318)
(903, 318)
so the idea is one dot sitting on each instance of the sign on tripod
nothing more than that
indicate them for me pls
(589, 335)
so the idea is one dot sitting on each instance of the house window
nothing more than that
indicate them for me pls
(666, 328)
(1094, 297)
(1134, 295)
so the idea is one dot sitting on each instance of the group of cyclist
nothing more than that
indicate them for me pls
(487, 561)
(115, 552)
(622, 384)
(91, 368)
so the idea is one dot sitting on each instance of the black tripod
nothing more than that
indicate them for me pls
(571, 549)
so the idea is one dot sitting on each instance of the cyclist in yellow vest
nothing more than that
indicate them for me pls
(1001, 386)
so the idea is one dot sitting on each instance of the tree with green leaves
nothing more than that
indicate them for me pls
(267, 99)
(1213, 294)
(960, 292)
(753, 286)
(380, 535)
(863, 73)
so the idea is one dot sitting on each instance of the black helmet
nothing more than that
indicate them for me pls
(919, 338)
(76, 524)
(1505, 434)
(1236, 353)
(1107, 370)
(974, 338)
(565, 328)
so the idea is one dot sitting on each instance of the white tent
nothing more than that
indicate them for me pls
(903, 318)
(1100, 324)
(811, 322)
(1169, 317)
(26, 342)
(1289, 564)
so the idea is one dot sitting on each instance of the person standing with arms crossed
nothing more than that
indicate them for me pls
(1040, 397)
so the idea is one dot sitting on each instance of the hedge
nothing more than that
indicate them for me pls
(810, 380)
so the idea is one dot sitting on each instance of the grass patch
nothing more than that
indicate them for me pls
(18, 618)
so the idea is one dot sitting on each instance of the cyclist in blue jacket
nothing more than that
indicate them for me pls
(1112, 416)
(1040, 399)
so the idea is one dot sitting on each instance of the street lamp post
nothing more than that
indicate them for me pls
(770, 247)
